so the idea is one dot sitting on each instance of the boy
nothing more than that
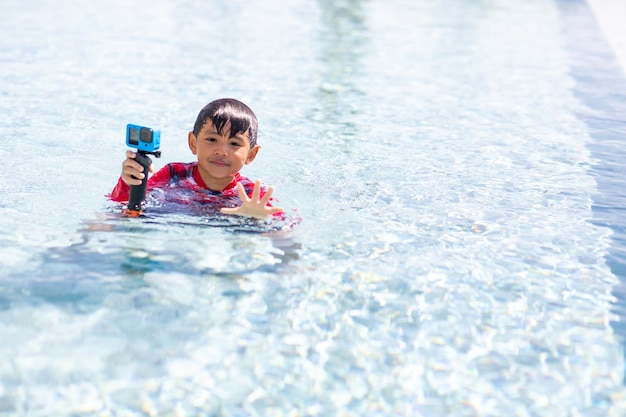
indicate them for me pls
(224, 140)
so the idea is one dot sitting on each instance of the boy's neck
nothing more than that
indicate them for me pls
(213, 184)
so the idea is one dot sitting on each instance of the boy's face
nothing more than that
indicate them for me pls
(220, 157)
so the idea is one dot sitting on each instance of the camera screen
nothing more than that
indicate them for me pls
(133, 136)
(146, 135)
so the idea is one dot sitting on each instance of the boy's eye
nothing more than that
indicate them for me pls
(235, 144)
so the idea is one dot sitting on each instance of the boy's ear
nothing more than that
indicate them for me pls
(192, 140)
(252, 154)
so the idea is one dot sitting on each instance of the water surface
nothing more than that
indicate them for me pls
(448, 261)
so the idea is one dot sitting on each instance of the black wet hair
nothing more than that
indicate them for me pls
(223, 110)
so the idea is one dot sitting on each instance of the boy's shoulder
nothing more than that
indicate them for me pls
(243, 179)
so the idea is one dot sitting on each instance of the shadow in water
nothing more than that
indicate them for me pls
(115, 255)
(601, 87)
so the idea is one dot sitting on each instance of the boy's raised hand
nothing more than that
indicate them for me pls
(132, 171)
(253, 206)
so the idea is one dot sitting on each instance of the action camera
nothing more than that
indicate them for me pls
(143, 138)
(147, 142)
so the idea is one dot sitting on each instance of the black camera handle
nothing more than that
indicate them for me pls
(138, 192)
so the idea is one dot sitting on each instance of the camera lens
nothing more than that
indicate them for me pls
(146, 135)
(133, 136)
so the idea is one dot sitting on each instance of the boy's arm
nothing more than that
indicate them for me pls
(121, 192)
(132, 173)
(131, 168)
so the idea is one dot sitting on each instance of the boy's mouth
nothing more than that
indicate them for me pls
(219, 163)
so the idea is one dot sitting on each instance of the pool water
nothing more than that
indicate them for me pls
(444, 159)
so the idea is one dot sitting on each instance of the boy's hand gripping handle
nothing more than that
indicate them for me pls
(138, 192)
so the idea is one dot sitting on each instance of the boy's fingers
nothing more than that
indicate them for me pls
(132, 181)
(133, 173)
(256, 192)
(242, 192)
(267, 196)
(131, 163)
(133, 177)
(136, 166)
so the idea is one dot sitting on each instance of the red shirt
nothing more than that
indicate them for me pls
(185, 176)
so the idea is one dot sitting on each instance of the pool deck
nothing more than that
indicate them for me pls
(610, 15)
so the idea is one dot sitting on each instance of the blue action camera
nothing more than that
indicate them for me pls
(143, 138)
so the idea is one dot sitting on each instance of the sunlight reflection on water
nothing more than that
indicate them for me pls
(445, 264)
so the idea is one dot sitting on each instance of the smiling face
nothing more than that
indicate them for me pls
(220, 157)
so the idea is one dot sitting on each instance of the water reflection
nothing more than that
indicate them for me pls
(601, 86)
(441, 286)
(342, 35)
(114, 255)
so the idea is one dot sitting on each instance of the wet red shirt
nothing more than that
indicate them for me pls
(184, 176)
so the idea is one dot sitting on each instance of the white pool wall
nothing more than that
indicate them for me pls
(611, 15)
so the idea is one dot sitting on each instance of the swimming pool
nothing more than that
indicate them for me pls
(446, 165)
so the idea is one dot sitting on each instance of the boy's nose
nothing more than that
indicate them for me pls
(221, 150)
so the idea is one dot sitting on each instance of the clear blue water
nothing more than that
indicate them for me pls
(450, 260)
(601, 87)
